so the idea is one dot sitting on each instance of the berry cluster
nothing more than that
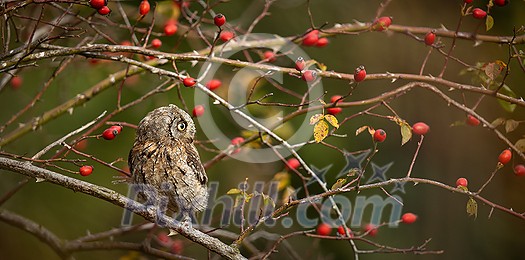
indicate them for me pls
(101, 6)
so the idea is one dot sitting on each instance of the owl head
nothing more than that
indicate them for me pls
(166, 123)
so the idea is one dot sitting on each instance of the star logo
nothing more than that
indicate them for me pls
(399, 186)
(320, 173)
(379, 172)
(352, 162)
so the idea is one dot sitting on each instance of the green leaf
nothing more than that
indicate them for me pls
(233, 191)
(505, 90)
(320, 131)
(472, 207)
(338, 184)
(332, 120)
(489, 22)
(511, 125)
(406, 133)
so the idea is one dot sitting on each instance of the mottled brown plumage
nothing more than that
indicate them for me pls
(165, 159)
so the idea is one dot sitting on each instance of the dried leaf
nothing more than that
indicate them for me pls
(472, 207)
(489, 22)
(361, 129)
(322, 102)
(406, 133)
(492, 70)
(520, 145)
(511, 125)
(233, 191)
(315, 118)
(338, 184)
(332, 120)
(498, 121)
(320, 131)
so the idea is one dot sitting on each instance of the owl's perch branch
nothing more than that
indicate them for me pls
(115, 198)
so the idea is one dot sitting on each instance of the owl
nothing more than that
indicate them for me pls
(164, 163)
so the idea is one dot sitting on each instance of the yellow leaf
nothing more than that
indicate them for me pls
(472, 207)
(406, 133)
(320, 131)
(233, 191)
(288, 192)
(489, 22)
(332, 120)
(283, 180)
(361, 129)
(315, 118)
(338, 184)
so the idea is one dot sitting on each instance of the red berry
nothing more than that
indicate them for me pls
(219, 20)
(110, 133)
(300, 64)
(409, 218)
(144, 7)
(335, 98)
(189, 81)
(213, 84)
(472, 121)
(359, 74)
(104, 10)
(97, 4)
(478, 13)
(430, 37)
(322, 42)
(462, 182)
(341, 231)
(126, 43)
(334, 110)
(156, 43)
(519, 170)
(324, 229)
(163, 239)
(270, 56)
(420, 128)
(505, 156)
(16, 82)
(85, 170)
(468, 1)
(226, 36)
(379, 135)
(501, 2)
(170, 29)
(381, 23)
(177, 247)
(237, 141)
(198, 110)
(81, 145)
(293, 163)
(311, 38)
(118, 128)
(371, 229)
(309, 75)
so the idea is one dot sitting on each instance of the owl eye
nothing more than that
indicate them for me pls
(181, 126)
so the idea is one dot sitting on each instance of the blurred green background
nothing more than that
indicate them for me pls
(447, 152)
